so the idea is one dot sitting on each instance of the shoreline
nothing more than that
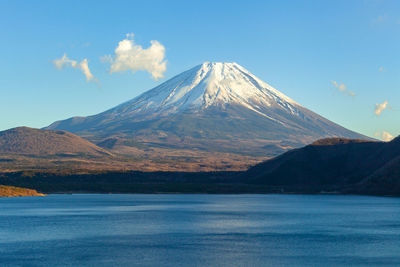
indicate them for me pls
(135, 182)
(14, 191)
(202, 193)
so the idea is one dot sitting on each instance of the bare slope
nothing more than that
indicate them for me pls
(29, 141)
(25, 148)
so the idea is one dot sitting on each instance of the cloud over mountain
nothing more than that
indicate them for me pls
(131, 56)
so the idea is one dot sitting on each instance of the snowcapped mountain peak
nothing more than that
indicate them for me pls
(209, 84)
(214, 107)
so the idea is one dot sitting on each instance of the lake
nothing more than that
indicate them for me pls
(199, 230)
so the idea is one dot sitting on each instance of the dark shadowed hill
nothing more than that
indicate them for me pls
(387, 178)
(29, 141)
(333, 163)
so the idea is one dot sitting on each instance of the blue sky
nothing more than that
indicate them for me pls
(299, 47)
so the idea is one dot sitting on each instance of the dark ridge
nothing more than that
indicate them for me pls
(342, 164)
(396, 140)
(337, 141)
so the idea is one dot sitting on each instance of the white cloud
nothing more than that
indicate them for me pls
(384, 136)
(64, 61)
(381, 107)
(387, 136)
(83, 66)
(130, 56)
(85, 69)
(343, 88)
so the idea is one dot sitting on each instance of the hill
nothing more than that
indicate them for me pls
(27, 148)
(29, 141)
(334, 164)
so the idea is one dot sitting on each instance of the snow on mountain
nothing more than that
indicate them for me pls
(212, 107)
(209, 84)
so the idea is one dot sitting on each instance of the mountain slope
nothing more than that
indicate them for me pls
(29, 141)
(213, 107)
(26, 148)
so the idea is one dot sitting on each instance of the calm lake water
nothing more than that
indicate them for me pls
(199, 230)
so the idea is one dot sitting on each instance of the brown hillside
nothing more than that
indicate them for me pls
(29, 141)
(25, 148)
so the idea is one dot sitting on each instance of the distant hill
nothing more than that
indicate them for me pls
(334, 163)
(26, 148)
(29, 141)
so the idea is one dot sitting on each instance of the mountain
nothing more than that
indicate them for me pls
(358, 166)
(29, 141)
(213, 108)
